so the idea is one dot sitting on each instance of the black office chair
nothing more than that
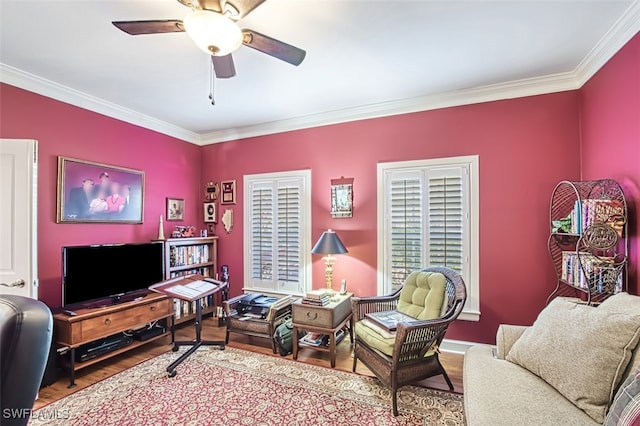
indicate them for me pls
(26, 328)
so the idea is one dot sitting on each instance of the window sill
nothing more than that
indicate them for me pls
(469, 316)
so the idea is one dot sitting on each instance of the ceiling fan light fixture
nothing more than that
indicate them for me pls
(212, 32)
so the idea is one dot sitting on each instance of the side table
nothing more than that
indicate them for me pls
(328, 319)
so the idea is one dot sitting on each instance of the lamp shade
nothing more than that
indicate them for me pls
(212, 32)
(329, 243)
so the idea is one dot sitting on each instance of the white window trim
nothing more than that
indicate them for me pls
(471, 311)
(305, 273)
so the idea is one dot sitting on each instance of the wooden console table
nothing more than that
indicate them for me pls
(89, 325)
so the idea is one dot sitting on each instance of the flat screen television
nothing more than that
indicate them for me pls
(100, 275)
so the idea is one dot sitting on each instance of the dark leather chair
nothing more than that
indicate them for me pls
(26, 329)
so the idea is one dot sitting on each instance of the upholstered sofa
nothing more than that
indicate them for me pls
(566, 369)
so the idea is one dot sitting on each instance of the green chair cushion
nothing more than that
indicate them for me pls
(374, 339)
(423, 295)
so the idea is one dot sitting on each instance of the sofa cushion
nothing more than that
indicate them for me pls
(621, 303)
(580, 350)
(624, 302)
(500, 393)
(423, 295)
(625, 410)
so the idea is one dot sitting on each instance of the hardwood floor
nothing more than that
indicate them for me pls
(93, 374)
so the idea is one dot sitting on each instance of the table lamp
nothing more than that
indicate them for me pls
(329, 244)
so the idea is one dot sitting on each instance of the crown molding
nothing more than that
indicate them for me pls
(619, 34)
(33, 83)
(627, 26)
(514, 89)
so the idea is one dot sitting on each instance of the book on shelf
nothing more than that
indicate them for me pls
(589, 212)
(314, 339)
(319, 339)
(204, 271)
(590, 272)
(188, 255)
(389, 319)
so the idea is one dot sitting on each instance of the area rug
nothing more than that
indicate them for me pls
(237, 387)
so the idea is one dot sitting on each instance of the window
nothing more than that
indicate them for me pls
(277, 232)
(428, 216)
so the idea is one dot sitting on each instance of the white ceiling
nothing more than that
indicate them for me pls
(364, 59)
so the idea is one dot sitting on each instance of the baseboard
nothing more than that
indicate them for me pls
(457, 346)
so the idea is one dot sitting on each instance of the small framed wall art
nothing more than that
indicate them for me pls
(94, 192)
(210, 213)
(175, 208)
(342, 197)
(228, 192)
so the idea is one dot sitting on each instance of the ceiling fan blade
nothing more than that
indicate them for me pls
(223, 66)
(150, 27)
(244, 7)
(271, 46)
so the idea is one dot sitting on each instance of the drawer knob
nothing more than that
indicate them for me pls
(153, 308)
(107, 321)
(315, 315)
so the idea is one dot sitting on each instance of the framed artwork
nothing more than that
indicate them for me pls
(175, 208)
(342, 197)
(211, 191)
(228, 192)
(91, 192)
(210, 213)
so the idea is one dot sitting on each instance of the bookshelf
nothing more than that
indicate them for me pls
(588, 241)
(184, 256)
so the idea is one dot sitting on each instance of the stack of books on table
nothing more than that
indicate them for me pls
(317, 298)
(315, 339)
(319, 339)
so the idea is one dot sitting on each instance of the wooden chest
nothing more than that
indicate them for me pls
(328, 316)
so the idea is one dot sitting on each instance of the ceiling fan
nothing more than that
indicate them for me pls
(211, 24)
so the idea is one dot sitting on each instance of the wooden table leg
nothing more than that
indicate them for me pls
(295, 342)
(332, 348)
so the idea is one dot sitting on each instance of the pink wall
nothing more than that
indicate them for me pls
(525, 146)
(171, 166)
(610, 127)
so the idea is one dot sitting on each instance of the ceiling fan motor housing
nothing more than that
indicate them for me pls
(212, 32)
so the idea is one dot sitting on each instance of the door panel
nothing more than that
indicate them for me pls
(18, 243)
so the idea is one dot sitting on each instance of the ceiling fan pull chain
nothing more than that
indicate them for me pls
(212, 78)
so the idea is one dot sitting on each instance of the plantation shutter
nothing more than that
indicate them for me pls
(427, 221)
(275, 238)
(289, 234)
(262, 241)
(406, 212)
(446, 217)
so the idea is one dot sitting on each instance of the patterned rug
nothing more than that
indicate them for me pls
(236, 387)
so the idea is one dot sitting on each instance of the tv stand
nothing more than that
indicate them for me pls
(91, 324)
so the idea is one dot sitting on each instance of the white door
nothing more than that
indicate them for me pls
(18, 243)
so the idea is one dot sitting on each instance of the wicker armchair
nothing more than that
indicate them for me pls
(411, 361)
